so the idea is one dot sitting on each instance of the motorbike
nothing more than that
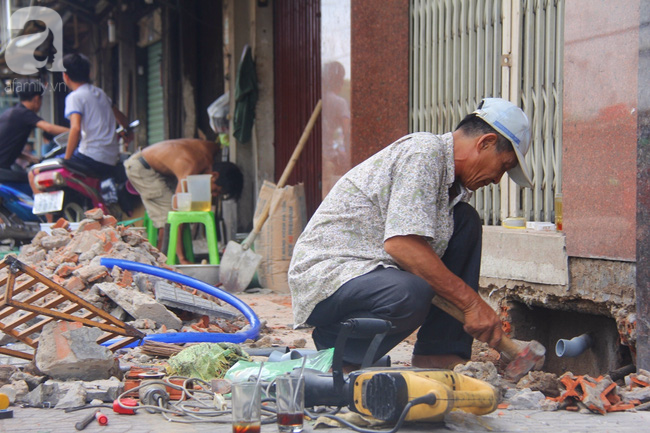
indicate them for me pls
(67, 192)
(18, 224)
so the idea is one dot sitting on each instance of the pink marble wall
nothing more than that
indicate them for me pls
(380, 58)
(600, 128)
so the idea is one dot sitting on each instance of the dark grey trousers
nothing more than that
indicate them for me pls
(405, 300)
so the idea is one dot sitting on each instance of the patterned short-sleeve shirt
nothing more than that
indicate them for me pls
(401, 190)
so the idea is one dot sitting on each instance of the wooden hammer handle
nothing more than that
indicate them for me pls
(505, 345)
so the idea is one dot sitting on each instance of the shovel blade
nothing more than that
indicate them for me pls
(238, 266)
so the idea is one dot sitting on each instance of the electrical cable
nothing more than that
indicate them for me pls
(193, 406)
(425, 399)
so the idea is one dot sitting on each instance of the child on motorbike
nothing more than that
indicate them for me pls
(93, 144)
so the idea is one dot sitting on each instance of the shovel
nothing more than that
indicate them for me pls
(239, 262)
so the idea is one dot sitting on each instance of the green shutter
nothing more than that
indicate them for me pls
(155, 112)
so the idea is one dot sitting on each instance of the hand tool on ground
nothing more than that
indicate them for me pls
(87, 420)
(239, 262)
(393, 394)
(522, 359)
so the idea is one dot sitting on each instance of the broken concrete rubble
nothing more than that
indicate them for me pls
(547, 383)
(526, 399)
(68, 350)
(140, 306)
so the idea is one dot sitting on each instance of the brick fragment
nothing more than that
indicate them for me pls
(95, 214)
(66, 269)
(61, 223)
(108, 220)
(74, 284)
(91, 273)
(87, 225)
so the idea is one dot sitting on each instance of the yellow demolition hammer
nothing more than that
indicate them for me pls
(394, 394)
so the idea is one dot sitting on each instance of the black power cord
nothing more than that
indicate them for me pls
(429, 399)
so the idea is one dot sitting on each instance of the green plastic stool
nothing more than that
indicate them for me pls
(207, 219)
(152, 232)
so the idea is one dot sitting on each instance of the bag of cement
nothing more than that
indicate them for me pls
(206, 361)
(243, 370)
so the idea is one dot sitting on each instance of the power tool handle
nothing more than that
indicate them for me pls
(505, 345)
(84, 422)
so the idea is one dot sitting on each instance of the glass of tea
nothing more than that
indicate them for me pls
(290, 403)
(246, 407)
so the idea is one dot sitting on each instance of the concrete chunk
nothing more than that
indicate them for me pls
(74, 397)
(527, 400)
(70, 351)
(45, 395)
(105, 390)
(174, 297)
(140, 306)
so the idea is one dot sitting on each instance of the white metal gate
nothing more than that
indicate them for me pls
(464, 50)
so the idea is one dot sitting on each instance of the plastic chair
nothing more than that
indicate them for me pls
(152, 232)
(207, 219)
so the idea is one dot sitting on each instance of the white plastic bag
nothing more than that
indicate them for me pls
(218, 113)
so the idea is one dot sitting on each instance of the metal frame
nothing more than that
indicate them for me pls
(464, 50)
(58, 303)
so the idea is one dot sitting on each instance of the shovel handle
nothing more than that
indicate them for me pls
(505, 345)
(289, 168)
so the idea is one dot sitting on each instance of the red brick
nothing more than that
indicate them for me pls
(66, 270)
(109, 220)
(86, 225)
(75, 284)
(61, 223)
(95, 213)
(126, 279)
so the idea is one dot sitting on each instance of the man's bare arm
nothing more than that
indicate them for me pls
(51, 128)
(413, 254)
(75, 134)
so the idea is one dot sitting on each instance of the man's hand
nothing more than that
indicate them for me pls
(482, 323)
(413, 254)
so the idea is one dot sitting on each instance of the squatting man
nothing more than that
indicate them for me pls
(397, 229)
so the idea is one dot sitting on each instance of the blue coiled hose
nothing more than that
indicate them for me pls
(192, 337)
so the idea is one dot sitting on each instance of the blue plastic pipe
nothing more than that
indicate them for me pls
(574, 346)
(192, 337)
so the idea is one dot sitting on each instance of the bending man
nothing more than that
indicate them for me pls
(156, 171)
(397, 229)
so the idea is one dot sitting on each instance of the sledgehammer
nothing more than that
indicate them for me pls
(522, 359)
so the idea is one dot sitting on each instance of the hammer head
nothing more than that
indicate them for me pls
(525, 360)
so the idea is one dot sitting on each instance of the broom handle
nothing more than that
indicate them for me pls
(287, 170)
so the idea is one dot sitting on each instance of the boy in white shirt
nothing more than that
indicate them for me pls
(93, 143)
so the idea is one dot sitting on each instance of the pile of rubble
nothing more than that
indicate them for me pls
(72, 260)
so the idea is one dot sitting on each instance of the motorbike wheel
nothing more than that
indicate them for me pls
(74, 206)
(73, 212)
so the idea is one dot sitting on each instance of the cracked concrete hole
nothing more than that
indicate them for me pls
(548, 326)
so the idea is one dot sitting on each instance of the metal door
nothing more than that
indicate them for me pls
(297, 90)
(155, 105)
(464, 50)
